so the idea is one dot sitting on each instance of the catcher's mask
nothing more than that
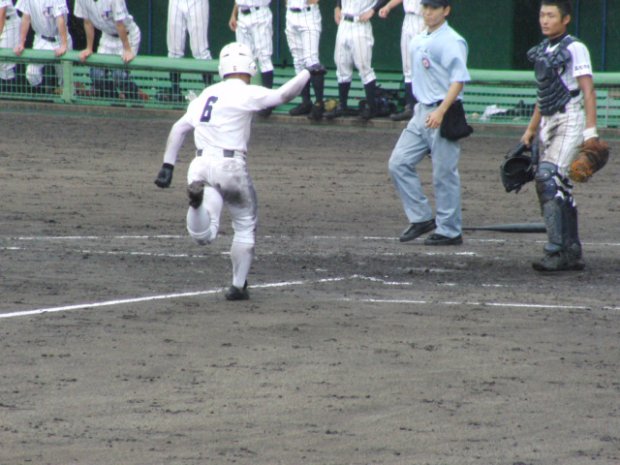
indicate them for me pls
(517, 169)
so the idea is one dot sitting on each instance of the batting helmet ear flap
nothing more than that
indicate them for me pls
(517, 169)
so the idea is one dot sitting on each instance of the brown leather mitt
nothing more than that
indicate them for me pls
(593, 155)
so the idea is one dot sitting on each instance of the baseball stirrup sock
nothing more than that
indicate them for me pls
(241, 256)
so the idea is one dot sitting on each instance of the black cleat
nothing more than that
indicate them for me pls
(416, 230)
(559, 261)
(438, 239)
(404, 115)
(234, 293)
(195, 193)
(317, 111)
(304, 108)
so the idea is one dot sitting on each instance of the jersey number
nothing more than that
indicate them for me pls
(206, 113)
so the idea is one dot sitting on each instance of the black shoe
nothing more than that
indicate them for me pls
(559, 261)
(304, 108)
(265, 113)
(195, 193)
(404, 115)
(367, 113)
(317, 111)
(335, 113)
(417, 229)
(234, 293)
(438, 239)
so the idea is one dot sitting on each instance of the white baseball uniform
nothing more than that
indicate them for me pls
(43, 20)
(255, 29)
(188, 17)
(221, 118)
(104, 14)
(9, 36)
(303, 32)
(354, 42)
(413, 24)
(562, 133)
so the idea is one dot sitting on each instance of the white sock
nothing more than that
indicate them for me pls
(241, 256)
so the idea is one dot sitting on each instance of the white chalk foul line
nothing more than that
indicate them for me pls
(133, 300)
(470, 304)
(177, 295)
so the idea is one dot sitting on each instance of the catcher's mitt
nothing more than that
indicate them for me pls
(593, 155)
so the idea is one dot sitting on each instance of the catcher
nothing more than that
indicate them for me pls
(565, 120)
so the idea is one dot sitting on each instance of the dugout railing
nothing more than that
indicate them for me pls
(493, 96)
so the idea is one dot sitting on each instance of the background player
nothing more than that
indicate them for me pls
(9, 38)
(303, 32)
(186, 17)
(120, 35)
(48, 19)
(252, 23)
(221, 119)
(413, 24)
(354, 43)
(565, 88)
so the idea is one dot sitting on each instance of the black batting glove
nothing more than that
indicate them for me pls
(164, 177)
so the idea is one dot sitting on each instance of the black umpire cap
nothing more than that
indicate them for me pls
(436, 3)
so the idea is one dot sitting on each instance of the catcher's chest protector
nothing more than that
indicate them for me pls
(552, 94)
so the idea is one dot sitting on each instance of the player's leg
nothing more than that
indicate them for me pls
(344, 69)
(244, 218)
(560, 136)
(410, 150)
(9, 39)
(405, 40)
(362, 45)
(311, 35)
(198, 28)
(175, 41)
(205, 202)
(295, 44)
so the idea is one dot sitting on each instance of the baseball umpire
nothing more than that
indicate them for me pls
(564, 117)
(221, 119)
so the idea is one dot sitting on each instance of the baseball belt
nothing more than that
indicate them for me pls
(225, 153)
(299, 10)
(248, 10)
(350, 18)
(48, 38)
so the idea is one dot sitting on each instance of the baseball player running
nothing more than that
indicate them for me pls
(251, 21)
(354, 43)
(303, 32)
(564, 116)
(413, 24)
(221, 118)
(48, 19)
(120, 35)
(186, 17)
(9, 38)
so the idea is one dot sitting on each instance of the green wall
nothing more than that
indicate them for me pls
(499, 32)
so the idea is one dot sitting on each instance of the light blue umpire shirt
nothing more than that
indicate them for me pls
(438, 59)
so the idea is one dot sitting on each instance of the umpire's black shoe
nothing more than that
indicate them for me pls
(438, 239)
(195, 193)
(234, 293)
(417, 229)
(404, 115)
(304, 108)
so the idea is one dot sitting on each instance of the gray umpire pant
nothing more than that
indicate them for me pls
(415, 142)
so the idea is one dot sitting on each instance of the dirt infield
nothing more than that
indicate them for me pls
(117, 346)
